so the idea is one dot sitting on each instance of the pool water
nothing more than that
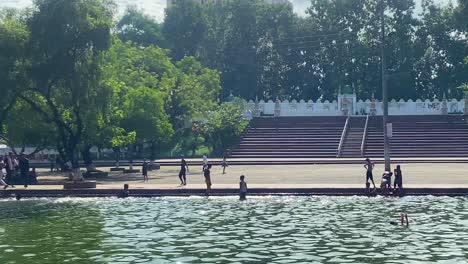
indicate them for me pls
(224, 230)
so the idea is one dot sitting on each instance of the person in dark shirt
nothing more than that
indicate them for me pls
(207, 174)
(144, 170)
(183, 172)
(398, 178)
(24, 169)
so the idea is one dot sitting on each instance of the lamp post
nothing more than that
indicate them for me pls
(384, 87)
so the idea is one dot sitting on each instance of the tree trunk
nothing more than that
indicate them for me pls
(61, 159)
(153, 151)
(117, 156)
(88, 159)
(131, 150)
(141, 150)
(73, 153)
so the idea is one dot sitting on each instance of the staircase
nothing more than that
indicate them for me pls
(319, 137)
(420, 136)
(353, 138)
(291, 137)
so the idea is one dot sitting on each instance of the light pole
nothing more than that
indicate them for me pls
(384, 87)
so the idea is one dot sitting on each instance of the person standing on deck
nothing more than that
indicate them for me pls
(224, 164)
(24, 169)
(369, 166)
(144, 170)
(183, 172)
(398, 178)
(10, 165)
(207, 174)
(2, 165)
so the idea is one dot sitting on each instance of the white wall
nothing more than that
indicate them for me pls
(326, 108)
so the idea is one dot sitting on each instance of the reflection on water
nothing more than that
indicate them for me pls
(224, 230)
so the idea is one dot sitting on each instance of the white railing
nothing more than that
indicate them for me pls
(343, 136)
(364, 136)
(333, 108)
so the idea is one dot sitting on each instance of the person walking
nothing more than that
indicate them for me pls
(207, 174)
(242, 188)
(398, 178)
(369, 166)
(144, 170)
(183, 172)
(224, 164)
(24, 169)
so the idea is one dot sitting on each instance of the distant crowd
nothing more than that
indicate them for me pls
(206, 170)
(15, 170)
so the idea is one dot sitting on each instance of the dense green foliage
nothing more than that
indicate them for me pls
(267, 51)
(69, 83)
(138, 28)
(224, 125)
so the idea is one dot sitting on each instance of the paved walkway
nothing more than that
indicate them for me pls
(444, 175)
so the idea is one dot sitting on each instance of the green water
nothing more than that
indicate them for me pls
(224, 230)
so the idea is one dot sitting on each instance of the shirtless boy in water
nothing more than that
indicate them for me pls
(403, 220)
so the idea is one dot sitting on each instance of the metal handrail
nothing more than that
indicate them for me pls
(343, 135)
(364, 136)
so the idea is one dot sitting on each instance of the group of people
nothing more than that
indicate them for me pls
(15, 169)
(206, 170)
(386, 182)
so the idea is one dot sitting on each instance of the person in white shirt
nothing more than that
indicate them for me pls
(205, 162)
(2, 166)
(10, 166)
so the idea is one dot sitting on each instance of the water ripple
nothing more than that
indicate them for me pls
(224, 230)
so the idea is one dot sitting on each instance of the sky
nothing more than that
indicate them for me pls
(155, 8)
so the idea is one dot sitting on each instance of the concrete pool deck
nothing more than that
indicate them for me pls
(419, 179)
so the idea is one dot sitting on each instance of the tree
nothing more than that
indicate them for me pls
(25, 128)
(224, 126)
(196, 92)
(14, 36)
(442, 49)
(185, 29)
(144, 114)
(464, 86)
(134, 72)
(139, 28)
(66, 45)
